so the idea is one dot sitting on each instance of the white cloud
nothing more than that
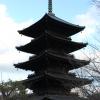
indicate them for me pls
(2, 11)
(9, 38)
(90, 20)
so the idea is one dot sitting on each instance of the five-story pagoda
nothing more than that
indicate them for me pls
(52, 60)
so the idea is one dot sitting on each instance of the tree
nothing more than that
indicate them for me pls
(96, 2)
(95, 96)
(93, 54)
(13, 90)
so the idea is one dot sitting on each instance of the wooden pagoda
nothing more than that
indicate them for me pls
(52, 60)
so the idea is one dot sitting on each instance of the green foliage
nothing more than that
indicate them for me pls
(13, 90)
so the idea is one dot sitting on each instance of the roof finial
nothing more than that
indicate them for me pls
(49, 6)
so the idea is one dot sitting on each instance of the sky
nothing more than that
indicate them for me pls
(18, 14)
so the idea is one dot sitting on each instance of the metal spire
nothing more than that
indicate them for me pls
(49, 6)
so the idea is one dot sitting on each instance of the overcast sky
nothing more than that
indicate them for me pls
(18, 14)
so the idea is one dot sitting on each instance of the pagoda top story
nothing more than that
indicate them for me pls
(52, 24)
(49, 22)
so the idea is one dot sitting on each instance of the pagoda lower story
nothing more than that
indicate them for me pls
(52, 60)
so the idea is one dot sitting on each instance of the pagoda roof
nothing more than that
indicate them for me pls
(65, 79)
(49, 59)
(50, 22)
(49, 41)
(57, 97)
